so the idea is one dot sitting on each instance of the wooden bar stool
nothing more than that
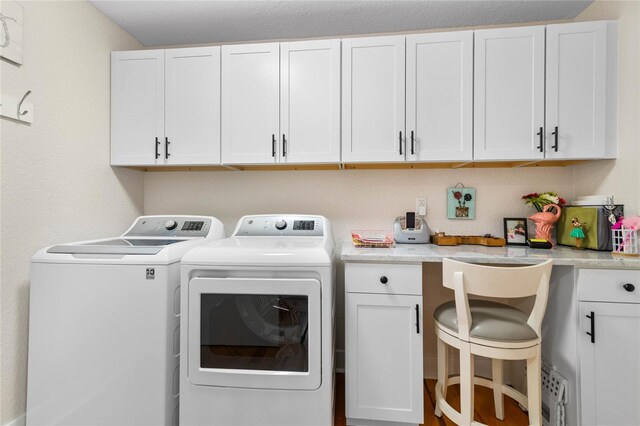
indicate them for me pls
(493, 330)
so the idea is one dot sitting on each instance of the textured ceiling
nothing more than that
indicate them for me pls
(174, 22)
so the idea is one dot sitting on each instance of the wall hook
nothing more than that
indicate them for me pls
(17, 108)
(20, 114)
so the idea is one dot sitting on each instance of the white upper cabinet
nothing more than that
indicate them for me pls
(137, 107)
(520, 94)
(310, 102)
(165, 107)
(250, 103)
(281, 103)
(192, 111)
(440, 96)
(509, 93)
(373, 101)
(576, 113)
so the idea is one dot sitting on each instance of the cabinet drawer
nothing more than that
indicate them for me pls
(368, 278)
(606, 285)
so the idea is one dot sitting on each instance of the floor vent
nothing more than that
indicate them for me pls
(554, 396)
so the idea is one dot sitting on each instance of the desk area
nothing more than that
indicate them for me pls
(419, 253)
(390, 294)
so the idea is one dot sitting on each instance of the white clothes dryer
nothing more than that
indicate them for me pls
(104, 325)
(257, 326)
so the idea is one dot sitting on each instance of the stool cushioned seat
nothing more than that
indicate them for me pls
(490, 320)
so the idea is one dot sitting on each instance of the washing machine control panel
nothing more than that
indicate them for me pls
(281, 226)
(170, 226)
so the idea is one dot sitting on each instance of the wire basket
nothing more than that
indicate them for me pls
(625, 242)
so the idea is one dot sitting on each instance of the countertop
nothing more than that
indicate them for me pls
(414, 253)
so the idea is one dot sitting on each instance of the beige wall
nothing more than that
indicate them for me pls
(622, 176)
(57, 185)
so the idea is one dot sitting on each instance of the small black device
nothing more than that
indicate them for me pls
(410, 220)
(539, 243)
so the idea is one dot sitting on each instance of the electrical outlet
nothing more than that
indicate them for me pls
(421, 206)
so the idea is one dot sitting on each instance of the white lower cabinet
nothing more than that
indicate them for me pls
(609, 347)
(384, 376)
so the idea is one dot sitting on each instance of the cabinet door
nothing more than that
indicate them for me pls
(384, 357)
(373, 99)
(310, 102)
(137, 107)
(610, 367)
(440, 96)
(250, 103)
(192, 106)
(576, 85)
(509, 93)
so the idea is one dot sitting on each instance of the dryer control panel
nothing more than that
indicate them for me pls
(280, 226)
(170, 226)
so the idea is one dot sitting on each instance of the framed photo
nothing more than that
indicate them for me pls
(515, 231)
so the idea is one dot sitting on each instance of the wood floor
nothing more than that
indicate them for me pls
(484, 411)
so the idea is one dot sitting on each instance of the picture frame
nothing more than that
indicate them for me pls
(461, 203)
(516, 231)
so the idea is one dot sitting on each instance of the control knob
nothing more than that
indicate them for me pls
(170, 224)
(281, 224)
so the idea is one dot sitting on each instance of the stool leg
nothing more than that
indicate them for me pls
(443, 373)
(466, 384)
(534, 389)
(498, 398)
(445, 363)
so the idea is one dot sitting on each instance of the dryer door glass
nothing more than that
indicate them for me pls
(254, 332)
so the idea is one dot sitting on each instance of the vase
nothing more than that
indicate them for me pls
(544, 221)
(462, 211)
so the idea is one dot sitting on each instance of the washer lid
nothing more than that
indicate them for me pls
(141, 246)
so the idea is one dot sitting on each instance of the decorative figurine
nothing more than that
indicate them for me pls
(544, 221)
(577, 232)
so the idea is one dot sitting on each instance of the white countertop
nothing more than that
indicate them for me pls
(414, 253)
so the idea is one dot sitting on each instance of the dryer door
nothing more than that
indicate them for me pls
(254, 333)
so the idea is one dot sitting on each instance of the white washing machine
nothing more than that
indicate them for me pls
(104, 325)
(257, 326)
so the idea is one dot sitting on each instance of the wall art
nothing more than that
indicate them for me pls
(461, 202)
(11, 21)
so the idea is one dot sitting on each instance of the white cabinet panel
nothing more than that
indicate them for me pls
(373, 101)
(384, 358)
(610, 366)
(192, 120)
(440, 96)
(576, 88)
(137, 107)
(310, 102)
(509, 93)
(383, 343)
(250, 103)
